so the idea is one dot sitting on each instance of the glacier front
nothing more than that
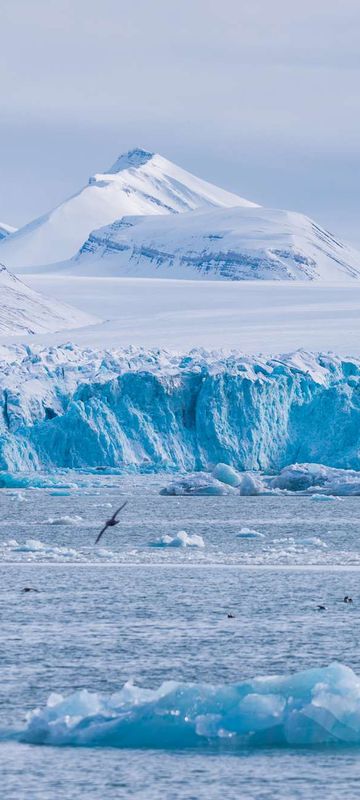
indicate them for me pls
(70, 407)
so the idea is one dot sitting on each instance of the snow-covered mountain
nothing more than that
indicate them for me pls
(147, 217)
(5, 230)
(232, 244)
(138, 183)
(24, 311)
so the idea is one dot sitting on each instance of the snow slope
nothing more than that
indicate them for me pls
(142, 409)
(5, 230)
(138, 183)
(233, 244)
(24, 311)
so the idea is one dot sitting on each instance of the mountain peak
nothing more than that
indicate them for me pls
(140, 183)
(133, 158)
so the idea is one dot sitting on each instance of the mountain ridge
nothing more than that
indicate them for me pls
(139, 182)
(220, 244)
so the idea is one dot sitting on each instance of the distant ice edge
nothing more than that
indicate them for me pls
(68, 407)
(316, 707)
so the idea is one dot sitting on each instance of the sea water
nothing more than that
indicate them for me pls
(127, 613)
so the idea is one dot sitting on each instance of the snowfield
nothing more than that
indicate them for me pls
(249, 316)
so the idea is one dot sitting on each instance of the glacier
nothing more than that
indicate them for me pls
(138, 410)
(319, 706)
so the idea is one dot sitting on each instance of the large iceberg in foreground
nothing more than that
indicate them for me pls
(312, 708)
(65, 406)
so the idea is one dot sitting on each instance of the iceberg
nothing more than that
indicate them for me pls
(198, 483)
(316, 707)
(226, 474)
(182, 539)
(321, 481)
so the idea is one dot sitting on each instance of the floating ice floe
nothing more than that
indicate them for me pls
(38, 551)
(33, 480)
(249, 533)
(36, 547)
(316, 707)
(66, 520)
(314, 540)
(323, 497)
(318, 479)
(181, 539)
(197, 483)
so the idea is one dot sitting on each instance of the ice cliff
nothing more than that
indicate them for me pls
(72, 407)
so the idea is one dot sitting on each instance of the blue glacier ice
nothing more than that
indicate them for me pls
(137, 410)
(181, 539)
(316, 707)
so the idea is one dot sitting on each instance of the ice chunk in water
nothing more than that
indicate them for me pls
(249, 533)
(316, 707)
(198, 483)
(182, 539)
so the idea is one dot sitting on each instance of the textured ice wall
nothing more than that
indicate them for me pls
(67, 407)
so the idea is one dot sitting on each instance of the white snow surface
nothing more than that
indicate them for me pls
(24, 311)
(138, 183)
(249, 316)
(220, 244)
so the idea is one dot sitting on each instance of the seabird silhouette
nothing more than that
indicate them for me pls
(111, 522)
(231, 616)
(29, 589)
(347, 599)
(321, 608)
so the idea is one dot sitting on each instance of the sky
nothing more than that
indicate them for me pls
(260, 97)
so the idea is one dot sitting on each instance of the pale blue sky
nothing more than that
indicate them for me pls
(261, 98)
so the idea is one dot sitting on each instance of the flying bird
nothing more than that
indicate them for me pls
(111, 522)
